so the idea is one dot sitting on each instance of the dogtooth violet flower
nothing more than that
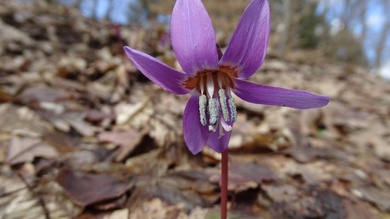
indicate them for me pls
(211, 76)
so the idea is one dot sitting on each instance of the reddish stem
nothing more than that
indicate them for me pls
(119, 37)
(224, 183)
(118, 33)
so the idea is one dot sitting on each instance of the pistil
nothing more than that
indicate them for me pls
(216, 106)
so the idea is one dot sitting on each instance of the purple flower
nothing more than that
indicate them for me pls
(211, 76)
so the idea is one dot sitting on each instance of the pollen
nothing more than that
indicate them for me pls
(222, 100)
(202, 109)
(213, 111)
(216, 105)
(233, 110)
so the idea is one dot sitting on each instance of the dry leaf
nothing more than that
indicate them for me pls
(25, 149)
(87, 189)
(128, 140)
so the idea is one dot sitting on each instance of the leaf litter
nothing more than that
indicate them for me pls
(84, 135)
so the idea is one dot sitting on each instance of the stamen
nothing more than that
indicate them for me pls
(226, 126)
(202, 109)
(212, 128)
(213, 111)
(220, 132)
(233, 110)
(219, 80)
(222, 100)
(210, 85)
(201, 85)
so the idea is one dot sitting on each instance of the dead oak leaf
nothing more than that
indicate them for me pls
(127, 140)
(25, 149)
(22, 121)
(44, 94)
(87, 188)
(4, 96)
(77, 121)
(357, 209)
(243, 176)
(378, 197)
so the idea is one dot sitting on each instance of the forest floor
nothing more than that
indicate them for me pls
(84, 135)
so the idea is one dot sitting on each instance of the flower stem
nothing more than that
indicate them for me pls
(224, 183)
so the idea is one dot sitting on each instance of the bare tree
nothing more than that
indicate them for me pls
(384, 35)
(109, 9)
(381, 45)
(77, 3)
(362, 17)
(326, 6)
(286, 28)
(347, 13)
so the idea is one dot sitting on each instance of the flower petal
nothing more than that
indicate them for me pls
(248, 45)
(158, 72)
(195, 134)
(256, 93)
(219, 144)
(193, 38)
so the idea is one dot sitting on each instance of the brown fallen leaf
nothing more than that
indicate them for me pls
(279, 192)
(22, 121)
(87, 189)
(127, 140)
(65, 121)
(4, 96)
(379, 197)
(196, 181)
(77, 121)
(310, 203)
(357, 209)
(25, 149)
(44, 94)
(156, 208)
(169, 194)
(243, 176)
(117, 214)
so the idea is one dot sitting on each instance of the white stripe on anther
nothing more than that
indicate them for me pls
(233, 110)
(213, 111)
(222, 100)
(202, 109)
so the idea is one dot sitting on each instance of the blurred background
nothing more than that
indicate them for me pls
(346, 31)
(83, 134)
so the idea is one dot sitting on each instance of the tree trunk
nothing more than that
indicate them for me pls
(109, 9)
(286, 23)
(380, 47)
(77, 4)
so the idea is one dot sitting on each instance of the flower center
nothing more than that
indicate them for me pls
(216, 105)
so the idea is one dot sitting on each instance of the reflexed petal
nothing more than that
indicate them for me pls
(193, 38)
(158, 72)
(195, 134)
(256, 93)
(219, 144)
(248, 45)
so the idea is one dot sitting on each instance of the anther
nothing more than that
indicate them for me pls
(213, 111)
(202, 109)
(233, 110)
(222, 100)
